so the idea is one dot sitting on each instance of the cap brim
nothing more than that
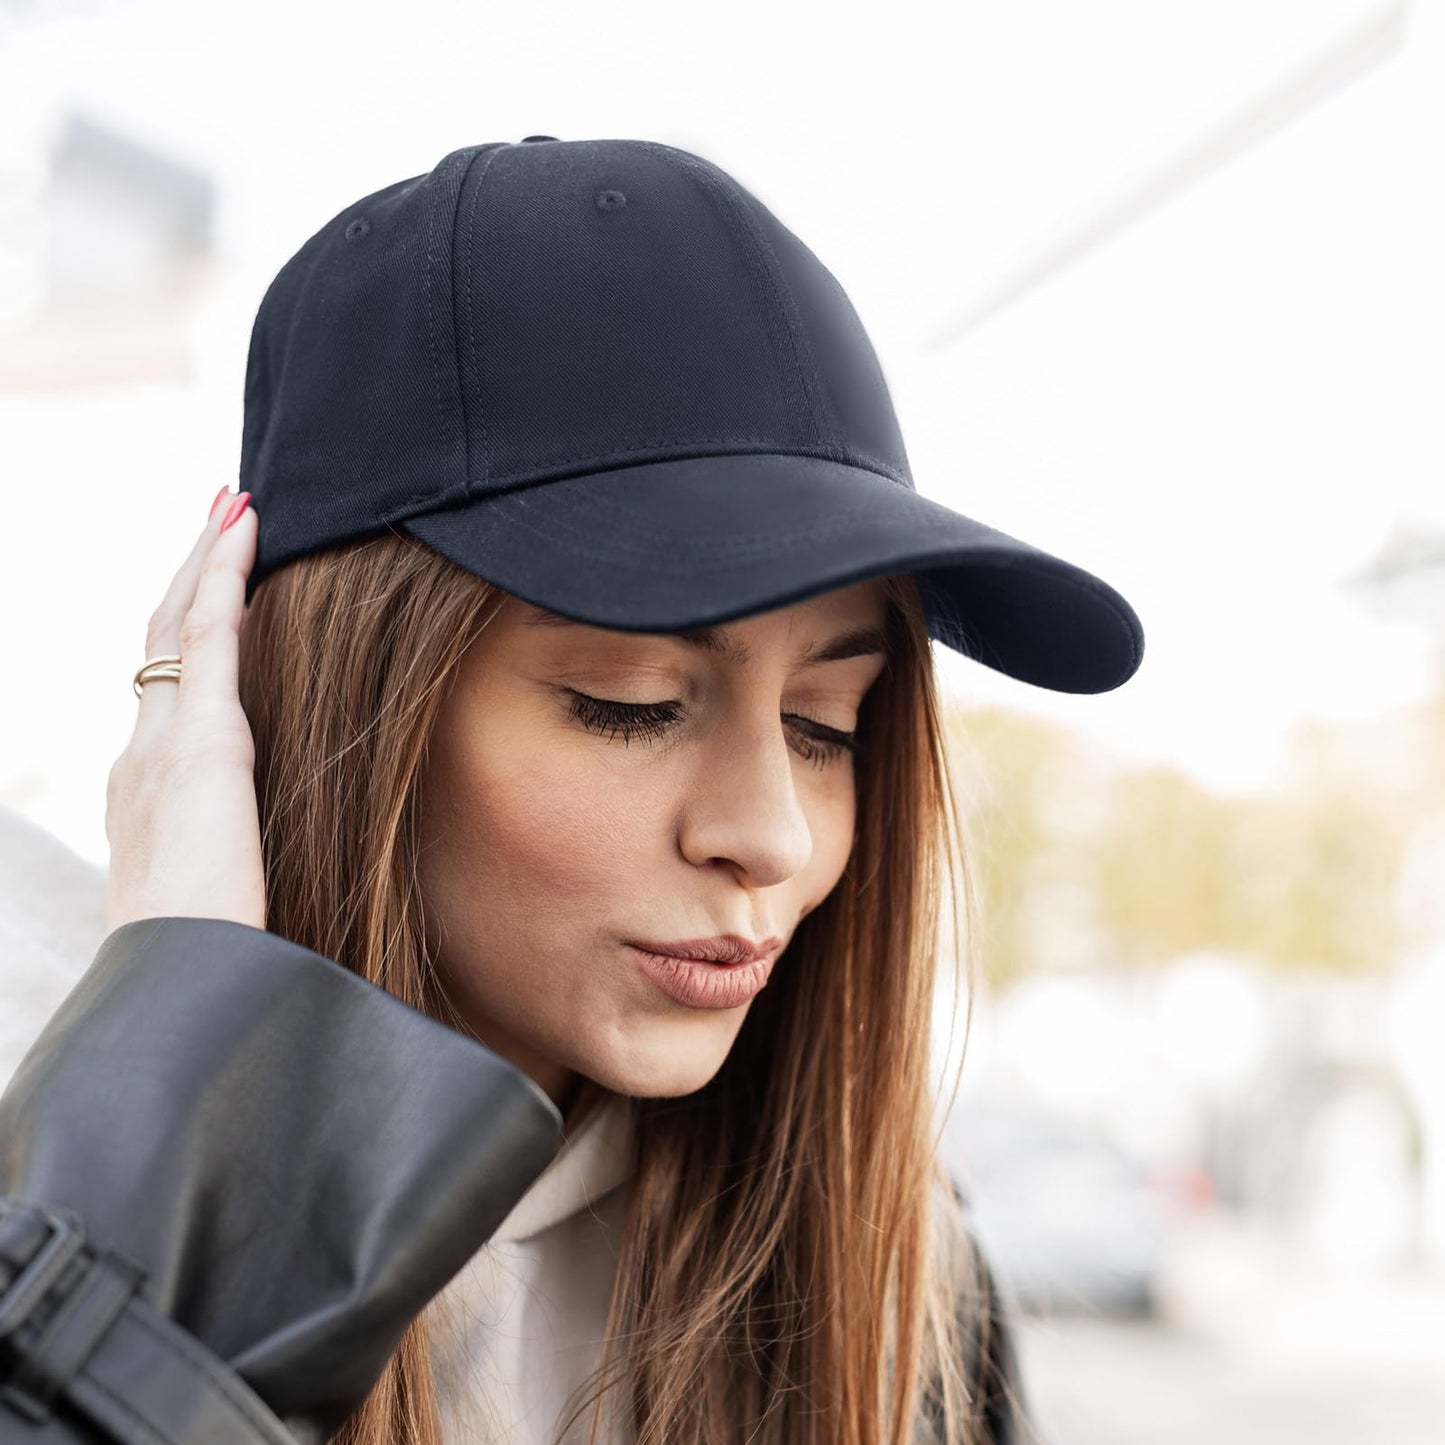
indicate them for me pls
(696, 541)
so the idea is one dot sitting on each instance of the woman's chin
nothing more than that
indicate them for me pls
(660, 1074)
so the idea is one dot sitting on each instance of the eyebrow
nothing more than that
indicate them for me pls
(855, 642)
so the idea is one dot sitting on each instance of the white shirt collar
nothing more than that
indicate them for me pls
(591, 1163)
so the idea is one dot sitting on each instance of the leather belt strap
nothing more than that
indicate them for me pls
(74, 1326)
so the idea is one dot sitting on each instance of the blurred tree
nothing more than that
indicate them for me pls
(1081, 863)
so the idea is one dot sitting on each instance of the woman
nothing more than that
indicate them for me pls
(599, 624)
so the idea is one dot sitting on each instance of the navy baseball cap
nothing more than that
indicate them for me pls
(603, 376)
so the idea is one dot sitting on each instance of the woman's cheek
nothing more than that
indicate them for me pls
(568, 817)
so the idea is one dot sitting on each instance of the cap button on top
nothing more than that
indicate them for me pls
(526, 138)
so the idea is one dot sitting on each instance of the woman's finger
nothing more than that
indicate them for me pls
(158, 698)
(210, 632)
(181, 811)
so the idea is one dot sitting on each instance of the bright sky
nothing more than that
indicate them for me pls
(1220, 408)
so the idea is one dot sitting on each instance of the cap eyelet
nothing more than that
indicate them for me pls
(358, 228)
(610, 200)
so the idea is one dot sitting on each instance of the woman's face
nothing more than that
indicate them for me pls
(553, 834)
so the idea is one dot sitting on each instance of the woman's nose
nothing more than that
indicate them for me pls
(745, 806)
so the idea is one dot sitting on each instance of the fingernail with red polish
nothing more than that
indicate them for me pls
(224, 492)
(236, 508)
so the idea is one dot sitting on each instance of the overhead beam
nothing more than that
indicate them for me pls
(1206, 147)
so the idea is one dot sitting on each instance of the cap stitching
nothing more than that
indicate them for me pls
(798, 336)
(429, 296)
(755, 544)
(720, 557)
(671, 443)
(690, 163)
(760, 544)
(485, 473)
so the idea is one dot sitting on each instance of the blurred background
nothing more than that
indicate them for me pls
(1157, 287)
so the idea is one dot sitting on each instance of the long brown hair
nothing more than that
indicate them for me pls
(792, 1267)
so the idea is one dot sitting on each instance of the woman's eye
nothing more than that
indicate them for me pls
(817, 743)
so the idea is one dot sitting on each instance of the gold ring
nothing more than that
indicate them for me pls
(155, 667)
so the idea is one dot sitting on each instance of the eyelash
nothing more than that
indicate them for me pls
(824, 745)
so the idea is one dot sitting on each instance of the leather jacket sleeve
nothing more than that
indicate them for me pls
(233, 1172)
(994, 1370)
(1002, 1408)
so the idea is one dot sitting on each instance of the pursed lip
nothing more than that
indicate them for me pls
(721, 948)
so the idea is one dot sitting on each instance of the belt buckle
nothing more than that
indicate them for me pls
(45, 1266)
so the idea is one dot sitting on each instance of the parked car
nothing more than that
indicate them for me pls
(1070, 1222)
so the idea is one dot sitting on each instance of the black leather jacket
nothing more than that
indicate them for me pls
(231, 1173)
(235, 1171)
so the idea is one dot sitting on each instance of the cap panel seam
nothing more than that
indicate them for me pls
(430, 288)
(762, 255)
(483, 473)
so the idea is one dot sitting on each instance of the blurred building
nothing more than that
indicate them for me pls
(1406, 577)
(105, 242)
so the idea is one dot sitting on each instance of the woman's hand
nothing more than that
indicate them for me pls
(180, 803)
